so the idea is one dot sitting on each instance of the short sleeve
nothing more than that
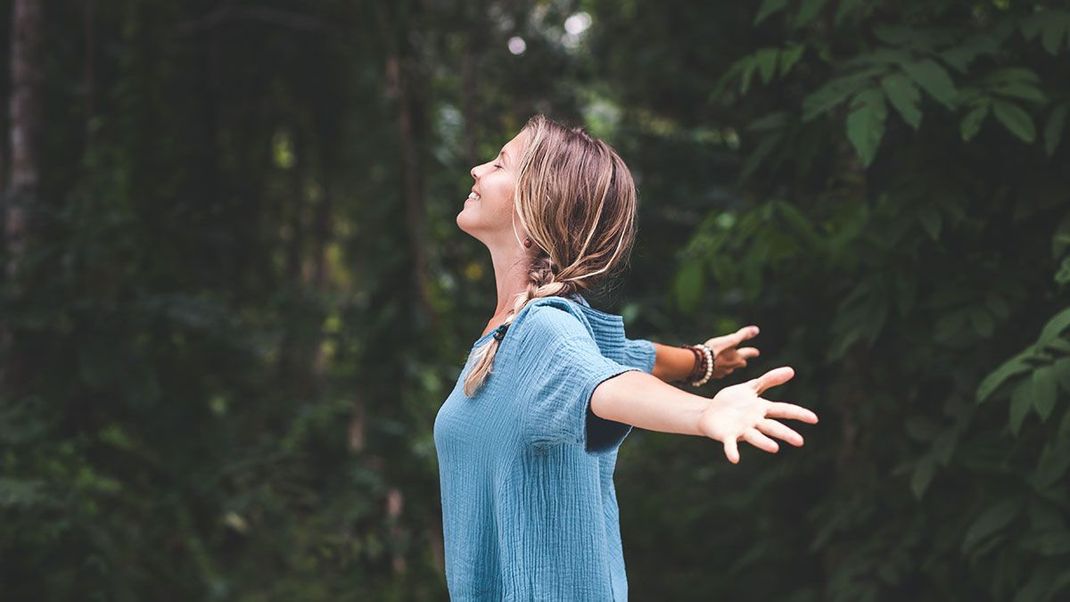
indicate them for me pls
(640, 353)
(565, 367)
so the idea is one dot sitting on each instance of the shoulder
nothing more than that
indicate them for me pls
(551, 318)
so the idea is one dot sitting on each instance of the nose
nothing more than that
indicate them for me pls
(477, 170)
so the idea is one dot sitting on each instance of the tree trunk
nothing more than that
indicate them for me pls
(20, 196)
(25, 127)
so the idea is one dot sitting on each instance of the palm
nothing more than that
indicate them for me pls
(739, 412)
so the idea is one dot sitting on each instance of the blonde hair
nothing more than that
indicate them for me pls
(577, 201)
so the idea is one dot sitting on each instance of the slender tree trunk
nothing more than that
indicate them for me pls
(404, 80)
(20, 196)
(25, 127)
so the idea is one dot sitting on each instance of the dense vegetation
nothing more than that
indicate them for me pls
(235, 294)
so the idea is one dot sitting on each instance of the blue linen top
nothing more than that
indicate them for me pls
(529, 510)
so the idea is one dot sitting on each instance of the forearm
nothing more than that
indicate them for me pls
(644, 401)
(672, 363)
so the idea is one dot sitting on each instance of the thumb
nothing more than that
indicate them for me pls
(776, 376)
(731, 450)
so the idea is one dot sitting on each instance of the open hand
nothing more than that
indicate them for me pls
(738, 412)
(728, 356)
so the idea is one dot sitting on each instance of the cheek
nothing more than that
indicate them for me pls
(501, 193)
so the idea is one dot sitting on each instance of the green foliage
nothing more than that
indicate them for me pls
(894, 260)
(249, 295)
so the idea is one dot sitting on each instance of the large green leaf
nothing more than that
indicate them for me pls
(1014, 119)
(865, 123)
(934, 79)
(835, 91)
(904, 96)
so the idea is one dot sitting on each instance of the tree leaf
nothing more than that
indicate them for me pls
(1021, 402)
(833, 92)
(933, 79)
(1020, 90)
(971, 123)
(1054, 327)
(767, 61)
(789, 56)
(1044, 391)
(1053, 130)
(904, 96)
(747, 66)
(990, 521)
(865, 124)
(767, 8)
(1012, 367)
(1014, 119)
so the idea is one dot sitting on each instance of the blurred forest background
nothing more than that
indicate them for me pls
(234, 294)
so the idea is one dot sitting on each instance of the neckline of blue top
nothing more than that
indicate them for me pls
(579, 299)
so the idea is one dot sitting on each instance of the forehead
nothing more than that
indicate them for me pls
(515, 147)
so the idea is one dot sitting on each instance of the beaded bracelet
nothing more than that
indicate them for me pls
(704, 363)
(709, 366)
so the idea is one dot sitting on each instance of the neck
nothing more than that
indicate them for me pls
(510, 277)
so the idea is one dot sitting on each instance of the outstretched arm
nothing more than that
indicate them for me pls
(737, 412)
(674, 363)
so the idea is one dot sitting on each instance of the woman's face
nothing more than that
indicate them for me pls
(488, 210)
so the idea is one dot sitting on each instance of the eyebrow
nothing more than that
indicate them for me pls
(503, 154)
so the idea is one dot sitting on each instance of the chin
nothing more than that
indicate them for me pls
(465, 225)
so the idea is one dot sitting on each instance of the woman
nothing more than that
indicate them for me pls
(527, 440)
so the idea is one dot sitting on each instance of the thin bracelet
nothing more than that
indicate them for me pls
(709, 366)
(698, 368)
